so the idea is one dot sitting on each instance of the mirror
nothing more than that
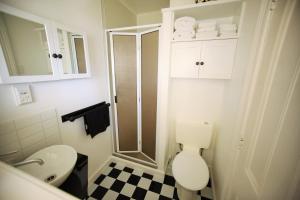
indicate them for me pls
(25, 46)
(72, 51)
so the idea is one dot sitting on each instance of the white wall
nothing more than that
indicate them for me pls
(232, 96)
(117, 15)
(199, 100)
(69, 95)
(149, 18)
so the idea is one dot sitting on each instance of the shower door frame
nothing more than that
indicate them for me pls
(121, 31)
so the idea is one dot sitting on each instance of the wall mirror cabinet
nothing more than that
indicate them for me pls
(36, 49)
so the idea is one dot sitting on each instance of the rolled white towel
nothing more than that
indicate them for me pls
(185, 29)
(227, 27)
(206, 34)
(185, 23)
(207, 23)
(208, 28)
(183, 35)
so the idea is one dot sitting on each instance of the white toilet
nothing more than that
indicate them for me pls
(189, 169)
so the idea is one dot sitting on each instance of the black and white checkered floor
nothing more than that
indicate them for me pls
(121, 183)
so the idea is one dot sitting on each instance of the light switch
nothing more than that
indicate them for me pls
(22, 94)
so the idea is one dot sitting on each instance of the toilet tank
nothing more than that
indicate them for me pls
(195, 134)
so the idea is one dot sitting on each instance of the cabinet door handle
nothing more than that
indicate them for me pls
(59, 56)
(54, 55)
(197, 63)
(201, 63)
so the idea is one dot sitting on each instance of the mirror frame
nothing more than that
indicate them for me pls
(4, 73)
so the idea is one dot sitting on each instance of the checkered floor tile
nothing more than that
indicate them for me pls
(121, 183)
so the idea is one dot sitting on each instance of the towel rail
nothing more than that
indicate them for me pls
(80, 113)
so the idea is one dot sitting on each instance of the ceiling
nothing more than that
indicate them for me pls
(143, 6)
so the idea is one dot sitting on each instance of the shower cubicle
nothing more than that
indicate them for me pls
(133, 59)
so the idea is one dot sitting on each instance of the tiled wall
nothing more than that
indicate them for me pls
(29, 134)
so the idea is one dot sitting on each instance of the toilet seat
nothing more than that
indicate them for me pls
(190, 170)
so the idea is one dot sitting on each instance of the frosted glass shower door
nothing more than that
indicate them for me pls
(149, 64)
(124, 73)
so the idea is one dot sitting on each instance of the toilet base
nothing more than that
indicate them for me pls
(185, 194)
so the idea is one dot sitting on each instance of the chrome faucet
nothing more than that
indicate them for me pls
(26, 162)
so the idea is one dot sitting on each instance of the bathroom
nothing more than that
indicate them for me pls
(245, 115)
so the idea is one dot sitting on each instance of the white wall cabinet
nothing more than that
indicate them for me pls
(36, 49)
(212, 59)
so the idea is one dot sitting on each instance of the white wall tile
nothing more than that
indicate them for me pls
(28, 135)
(30, 130)
(12, 146)
(35, 138)
(7, 127)
(27, 121)
(34, 148)
(13, 158)
(49, 123)
(51, 131)
(6, 148)
(8, 138)
(53, 139)
(49, 114)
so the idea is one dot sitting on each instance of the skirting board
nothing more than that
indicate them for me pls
(212, 183)
(93, 177)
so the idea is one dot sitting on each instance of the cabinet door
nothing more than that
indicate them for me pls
(72, 54)
(184, 57)
(217, 59)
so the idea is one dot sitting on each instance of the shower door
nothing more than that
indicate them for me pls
(134, 61)
(149, 64)
(125, 81)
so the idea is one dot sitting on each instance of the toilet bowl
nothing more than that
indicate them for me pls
(191, 174)
(189, 169)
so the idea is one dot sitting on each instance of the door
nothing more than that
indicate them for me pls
(185, 59)
(72, 53)
(149, 67)
(268, 164)
(217, 58)
(125, 83)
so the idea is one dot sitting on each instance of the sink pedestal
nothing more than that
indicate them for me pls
(77, 183)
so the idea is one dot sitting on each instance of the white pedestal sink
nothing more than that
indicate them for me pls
(59, 161)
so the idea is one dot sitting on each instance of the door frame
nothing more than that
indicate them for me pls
(260, 38)
(112, 94)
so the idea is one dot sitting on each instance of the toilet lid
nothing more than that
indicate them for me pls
(190, 170)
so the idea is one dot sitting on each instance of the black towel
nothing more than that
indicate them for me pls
(97, 120)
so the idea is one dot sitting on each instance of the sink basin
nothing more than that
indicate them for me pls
(59, 161)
